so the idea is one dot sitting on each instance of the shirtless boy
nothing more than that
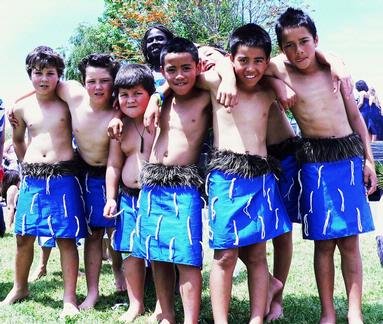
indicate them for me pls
(245, 207)
(333, 205)
(169, 224)
(134, 85)
(50, 195)
(91, 110)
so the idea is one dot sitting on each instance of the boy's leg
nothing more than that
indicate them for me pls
(41, 270)
(283, 251)
(92, 260)
(190, 290)
(69, 265)
(116, 264)
(221, 276)
(134, 271)
(164, 274)
(23, 262)
(324, 274)
(351, 263)
(254, 257)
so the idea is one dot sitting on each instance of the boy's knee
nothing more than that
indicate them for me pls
(325, 246)
(284, 241)
(24, 241)
(97, 234)
(226, 258)
(348, 244)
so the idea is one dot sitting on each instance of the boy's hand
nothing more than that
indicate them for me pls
(115, 129)
(110, 208)
(286, 97)
(11, 118)
(152, 113)
(370, 179)
(116, 105)
(227, 95)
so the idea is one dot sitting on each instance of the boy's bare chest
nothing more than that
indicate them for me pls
(47, 119)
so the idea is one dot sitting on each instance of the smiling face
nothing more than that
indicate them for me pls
(180, 71)
(133, 101)
(44, 80)
(249, 64)
(99, 84)
(155, 41)
(299, 47)
(209, 56)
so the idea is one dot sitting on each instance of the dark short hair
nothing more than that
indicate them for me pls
(105, 61)
(42, 57)
(131, 75)
(11, 177)
(293, 18)
(169, 35)
(361, 86)
(251, 35)
(216, 47)
(179, 45)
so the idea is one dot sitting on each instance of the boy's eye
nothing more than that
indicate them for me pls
(170, 70)
(186, 68)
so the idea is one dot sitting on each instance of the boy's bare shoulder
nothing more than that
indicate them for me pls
(24, 103)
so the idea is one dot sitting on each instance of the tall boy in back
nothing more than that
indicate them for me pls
(134, 85)
(333, 204)
(245, 207)
(50, 195)
(169, 224)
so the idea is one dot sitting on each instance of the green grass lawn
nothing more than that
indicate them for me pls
(301, 298)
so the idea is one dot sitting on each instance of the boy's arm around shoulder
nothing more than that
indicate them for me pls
(18, 132)
(112, 177)
(70, 91)
(357, 124)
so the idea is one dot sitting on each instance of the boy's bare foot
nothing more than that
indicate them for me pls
(327, 319)
(38, 274)
(89, 302)
(276, 311)
(355, 318)
(119, 281)
(275, 286)
(131, 314)
(15, 296)
(69, 310)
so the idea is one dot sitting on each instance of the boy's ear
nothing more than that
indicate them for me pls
(231, 57)
(162, 70)
(316, 40)
(199, 67)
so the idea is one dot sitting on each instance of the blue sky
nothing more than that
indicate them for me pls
(352, 29)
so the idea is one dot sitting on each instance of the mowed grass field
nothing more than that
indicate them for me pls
(301, 299)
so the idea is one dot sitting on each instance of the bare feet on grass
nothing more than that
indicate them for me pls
(119, 281)
(69, 310)
(275, 286)
(15, 296)
(89, 302)
(38, 274)
(131, 314)
(276, 311)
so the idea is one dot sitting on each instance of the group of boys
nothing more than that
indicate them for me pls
(158, 213)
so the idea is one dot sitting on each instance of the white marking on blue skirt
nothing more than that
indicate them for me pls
(138, 224)
(78, 226)
(326, 222)
(300, 194)
(275, 176)
(138, 199)
(131, 240)
(311, 202)
(189, 231)
(104, 193)
(64, 204)
(88, 227)
(263, 185)
(352, 180)
(202, 254)
(79, 185)
(33, 202)
(158, 227)
(49, 221)
(207, 185)
(147, 245)
(263, 233)
(149, 201)
(47, 188)
(23, 224)
(231, 188)
(246, 210)
(320, 174)
(175, 204)
(236, 233)
(90, 213)
(268, 199)
(171, 250)
(86, 183)
(204, 202)
(360, 227)
(113, 239)
(213, 213)
(287, 195)
(276, 218)
(81, 193)
(134, 209)
(211, 233)
(342, 198)
(306, 225)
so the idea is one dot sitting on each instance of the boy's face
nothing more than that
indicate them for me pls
(133, 101)
(209, 56)
(155, 41)
(250, 63)
(99, 84)
(180, 71)
(44, 80)
(299, 46)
